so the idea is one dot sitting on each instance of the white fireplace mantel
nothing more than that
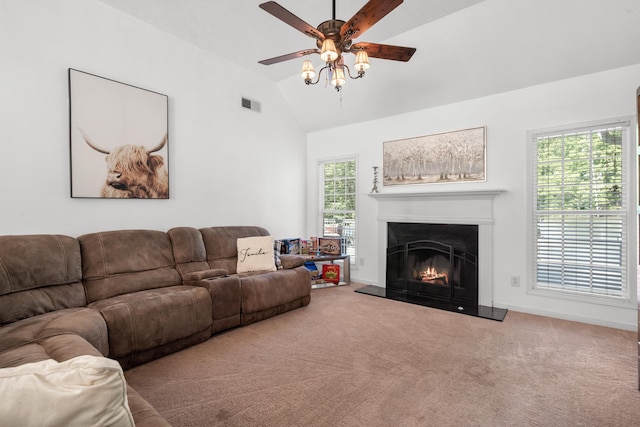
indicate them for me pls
(466, 194)
(443, 207)
(450, 207)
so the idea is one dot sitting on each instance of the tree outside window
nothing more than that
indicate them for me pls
(337, 184)
(580, 211)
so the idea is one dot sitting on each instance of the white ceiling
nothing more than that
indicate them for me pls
(465, 48)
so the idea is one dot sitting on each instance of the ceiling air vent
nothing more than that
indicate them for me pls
(250, 104)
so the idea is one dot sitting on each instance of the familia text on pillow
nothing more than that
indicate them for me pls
(255, 254)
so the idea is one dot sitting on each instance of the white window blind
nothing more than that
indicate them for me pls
(337, 202)
(580, 216)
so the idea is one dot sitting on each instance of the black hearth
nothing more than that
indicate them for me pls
(434, 265)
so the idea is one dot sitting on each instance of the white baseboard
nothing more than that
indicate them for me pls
(355, 280)
(628, 326)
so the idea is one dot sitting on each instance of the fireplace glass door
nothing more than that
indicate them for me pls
(433, 261)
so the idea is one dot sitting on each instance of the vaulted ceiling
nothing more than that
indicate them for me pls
(465, 48)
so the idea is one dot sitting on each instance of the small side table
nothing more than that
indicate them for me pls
(346, 267)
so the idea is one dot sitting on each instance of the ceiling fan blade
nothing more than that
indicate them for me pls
(384, 51)
(288, 56)
(289, 18)
(370, 13)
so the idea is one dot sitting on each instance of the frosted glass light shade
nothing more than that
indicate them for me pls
(338, 77)
(308, 72)
(362, 61)
(328, 53)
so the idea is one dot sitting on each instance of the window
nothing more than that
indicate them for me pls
(337, 191)
(581, 210)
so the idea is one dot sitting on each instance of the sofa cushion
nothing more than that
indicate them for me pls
(84, 322)
(188, 250)
(68, 346)
(83, 391)
(291, 261)
(150, 319)
(124, 261)
(221, 244)
(39, 274)
(58, 347)
(255, 254)
(267, 290)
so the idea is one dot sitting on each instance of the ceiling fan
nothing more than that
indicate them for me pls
(335, 37)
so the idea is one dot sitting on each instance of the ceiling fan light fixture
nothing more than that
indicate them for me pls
(362, 61)
(338, 78)
(328, 52)
(308, 72)
(334, 37)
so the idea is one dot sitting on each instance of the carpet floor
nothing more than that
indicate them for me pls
(350, 359)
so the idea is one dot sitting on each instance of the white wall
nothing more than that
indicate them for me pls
(508, 117)
(228, 165)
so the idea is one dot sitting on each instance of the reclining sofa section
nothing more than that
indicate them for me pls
(133, 295)
(43, 312)
(131, 279)
(208, 257)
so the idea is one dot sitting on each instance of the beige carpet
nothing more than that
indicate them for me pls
(356, 360)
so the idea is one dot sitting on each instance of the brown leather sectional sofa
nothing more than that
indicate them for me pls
(133, 295)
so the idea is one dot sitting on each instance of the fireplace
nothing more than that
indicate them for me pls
(457, 274)
(434, 263)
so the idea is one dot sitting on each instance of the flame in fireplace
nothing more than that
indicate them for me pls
(430, 274)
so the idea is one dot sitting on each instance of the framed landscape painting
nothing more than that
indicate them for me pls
(458, 156)
(118, 137)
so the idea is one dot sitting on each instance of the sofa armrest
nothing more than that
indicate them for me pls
(291, 261)
(205, 274)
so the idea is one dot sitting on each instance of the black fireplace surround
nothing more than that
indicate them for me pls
(434, 261)
(434, 265)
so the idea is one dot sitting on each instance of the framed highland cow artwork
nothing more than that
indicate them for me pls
(458, 156)
(118, 137)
